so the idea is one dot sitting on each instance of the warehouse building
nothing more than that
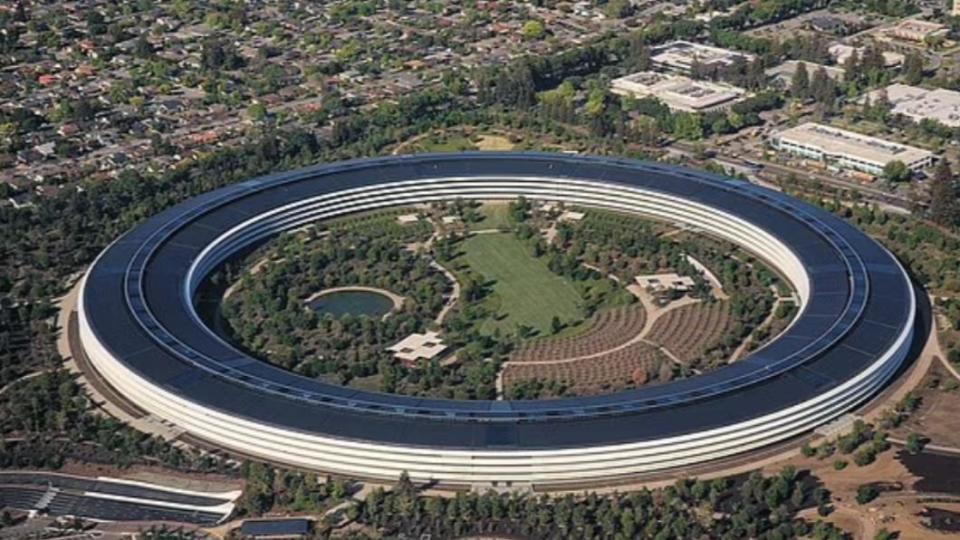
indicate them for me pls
(844, 149)
(680, 93)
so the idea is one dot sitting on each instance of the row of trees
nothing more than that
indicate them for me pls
(752, 506)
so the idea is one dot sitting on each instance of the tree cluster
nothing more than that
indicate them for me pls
(752, 506)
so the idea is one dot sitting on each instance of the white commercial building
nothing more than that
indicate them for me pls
(841, 52)
(848, 150)
(678, 92)
(939, 105)
(681, 56)
(416, 347)
(665, 281)
(783, 74)
(155, 352)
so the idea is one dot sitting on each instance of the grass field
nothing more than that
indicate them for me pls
(444, 142)
(489, 142)
(496, 215)
(526, 290)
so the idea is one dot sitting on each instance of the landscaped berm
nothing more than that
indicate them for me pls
(514, 299)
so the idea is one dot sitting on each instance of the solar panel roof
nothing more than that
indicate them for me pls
(136, 305)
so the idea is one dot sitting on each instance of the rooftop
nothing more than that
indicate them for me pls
(841, 52)
(682, 54)
(786, 70)
(275, 528)
(918, 103)
(677, 92)
(415, 347)
(833, 140)
(667, 280)
(918, 30)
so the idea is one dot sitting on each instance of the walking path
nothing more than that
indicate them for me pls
(26, 377)
(767, 321)
(454, 294)
(253, 271)
(653, 313)
(939, 448)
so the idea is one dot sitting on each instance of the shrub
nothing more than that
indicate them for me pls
(864, 457)
(915, 443)
(866, 493)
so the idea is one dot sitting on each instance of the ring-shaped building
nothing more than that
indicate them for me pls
(139, 329)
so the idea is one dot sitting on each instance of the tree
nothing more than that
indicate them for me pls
(257, 111)
(944, 207)
(646, 129)
(688, 126)
(823, 89)
(851, 68)
(884, 534)
(555, 324)
(216, 54)
(533, 30)
(896, 171)
(618, 9)
(142, 47)
(915, 443)
(866, 493)
(800, 83)
(912, 68)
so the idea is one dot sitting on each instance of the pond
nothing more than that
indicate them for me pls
(340, 303)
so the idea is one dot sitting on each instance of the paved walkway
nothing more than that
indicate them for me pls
(937, 448)
(454, 294)
(742, 348)
(26, 377)
(653, 313)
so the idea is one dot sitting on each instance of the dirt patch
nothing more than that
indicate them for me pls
(938, 412)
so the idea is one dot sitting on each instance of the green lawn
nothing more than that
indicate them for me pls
(446, 143)
(496, 215)
(526, 290)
